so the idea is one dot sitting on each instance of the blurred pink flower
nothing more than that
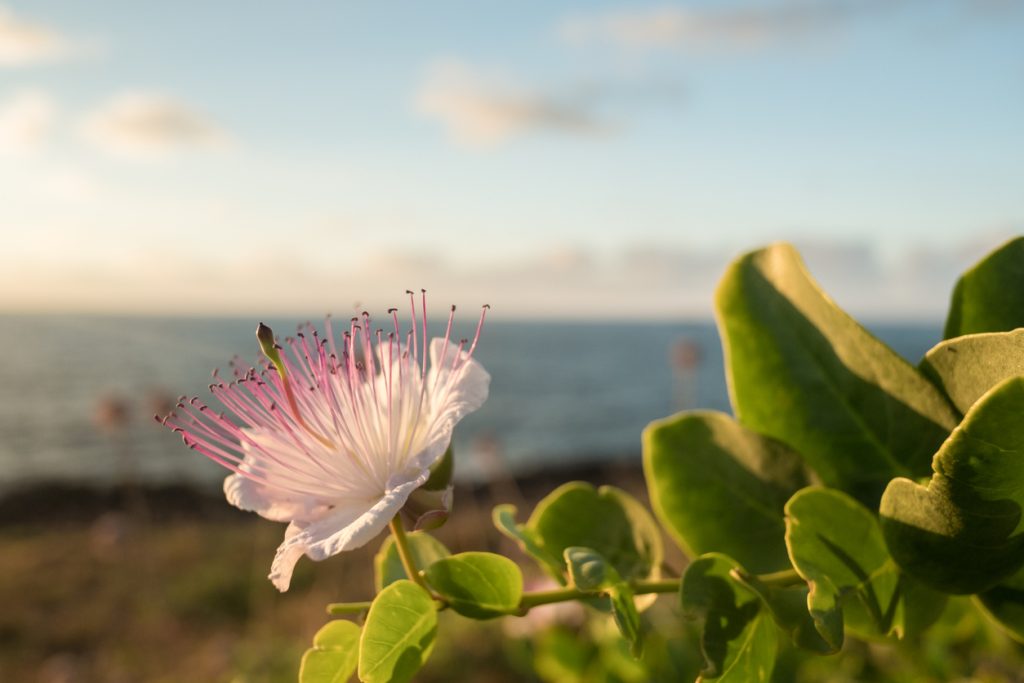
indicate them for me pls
(334, 438)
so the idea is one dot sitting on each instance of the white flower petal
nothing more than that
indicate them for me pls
(451, 397)
(471, 383)
(270, 503)
(345, 527)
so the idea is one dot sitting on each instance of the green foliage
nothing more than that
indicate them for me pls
(810, 513)
(398, 635)
(591, 573)
(804, 372)
(387, 565)
(990, 296)
(561, 656)
(477, 585)
(334, 654)
(739, 638)
(967, 367)
(961, 533)
(608, 520)
(837, 546)
(788, 605)
(1005, 604)
(718, 487)
(504, 518)
(441, 473)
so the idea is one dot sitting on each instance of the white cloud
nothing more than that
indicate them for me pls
(565, 281)
(67, 184)
(26, 120)
(485, 109)
(739, 26)
(23, 42)
(148, 125)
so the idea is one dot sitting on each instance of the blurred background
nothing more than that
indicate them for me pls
(172, 173)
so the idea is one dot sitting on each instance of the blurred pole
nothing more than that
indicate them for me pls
(112, 417)
(684, 360)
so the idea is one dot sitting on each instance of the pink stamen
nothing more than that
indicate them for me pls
(317, 425)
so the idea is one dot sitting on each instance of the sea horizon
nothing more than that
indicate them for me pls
(81, 390)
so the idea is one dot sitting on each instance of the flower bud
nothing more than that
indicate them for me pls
(268, 345)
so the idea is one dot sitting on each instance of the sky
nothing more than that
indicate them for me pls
(553, 159)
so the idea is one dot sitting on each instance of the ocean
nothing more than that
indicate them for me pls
(78, 393)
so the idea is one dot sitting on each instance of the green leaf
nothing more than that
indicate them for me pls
(718, 487)
(802, 371)
(592, 573)
(1005, 604)
(739, 639)
(608, 520)
(398, 635)
(990, 296)
(334, 654)
(967, 367)
(837, 546)
(478, 585)
(627, 617)
(788, 606)
(441, 472)
(504, 518)
(961, 533)
(387, 565)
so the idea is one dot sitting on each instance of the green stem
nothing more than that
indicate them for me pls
(405, 554)
(537, 598)
(336, 608)
(659, 586)
(780, 579)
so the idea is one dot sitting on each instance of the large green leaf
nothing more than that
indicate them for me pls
(739, 639)
(398, 635)
(387, 565)
(804, 372)
(592, 573)
(477, 585)
(1005, 604)
(718, 487)
(334, 654)
(990, 296)
(836, 545)
(962, 532)
(967, 367)
(607, 519)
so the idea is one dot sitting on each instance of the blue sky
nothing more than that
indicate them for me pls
(583, 159)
